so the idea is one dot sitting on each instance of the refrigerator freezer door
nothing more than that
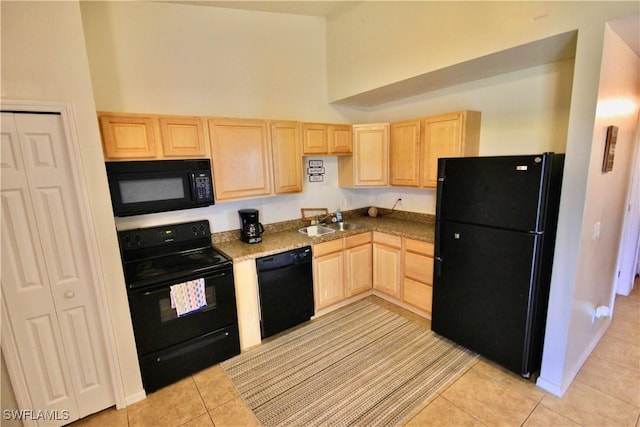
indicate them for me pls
(484, 290)
(505, 192)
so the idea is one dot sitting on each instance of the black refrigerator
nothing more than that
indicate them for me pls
(495, 232)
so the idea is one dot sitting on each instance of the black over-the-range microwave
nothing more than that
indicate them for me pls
(142, 187)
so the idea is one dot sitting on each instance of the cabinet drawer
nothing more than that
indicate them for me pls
(387, 239)
(417, 294)
(418, 246)
(327, 247)
(357, 240)
(418, 267)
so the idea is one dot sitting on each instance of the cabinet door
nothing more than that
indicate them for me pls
(358, 271)
(417, 283)
(417, 294)
(287, 159)
(386, 269)
(315, 138)
(418, 267)
(442, 138)
(371, 155)
(183, 137)
(328, 273)
(240, 153)
(340, 139)
(128, 137)
(404, 153)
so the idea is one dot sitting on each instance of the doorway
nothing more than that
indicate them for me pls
(57, 341)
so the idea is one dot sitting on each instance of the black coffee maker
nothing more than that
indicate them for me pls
(250, 227)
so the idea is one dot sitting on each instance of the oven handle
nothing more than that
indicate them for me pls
(166, 288)
(191, 347)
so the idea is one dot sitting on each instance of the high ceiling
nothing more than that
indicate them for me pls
(300, 7)
(628, 28)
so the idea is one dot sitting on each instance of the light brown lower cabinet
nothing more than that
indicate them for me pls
(417, 281)
(387, 257)
(341, 269)
(399, 267)
(358, 260)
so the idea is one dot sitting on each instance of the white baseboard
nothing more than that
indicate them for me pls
(552, 388)
(559, 390)
(136, 397)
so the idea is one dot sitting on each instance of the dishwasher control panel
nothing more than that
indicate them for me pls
(283, 259)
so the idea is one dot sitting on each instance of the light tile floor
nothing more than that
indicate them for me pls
(606, 391)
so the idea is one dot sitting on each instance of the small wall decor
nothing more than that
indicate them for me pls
(316, 171)
(609, 148)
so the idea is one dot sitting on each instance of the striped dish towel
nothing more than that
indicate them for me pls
(188, 296)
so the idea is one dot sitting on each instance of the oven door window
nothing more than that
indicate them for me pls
(169, 313)
(156, 325)
(151, 190)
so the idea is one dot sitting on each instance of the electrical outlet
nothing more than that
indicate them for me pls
(595, 234)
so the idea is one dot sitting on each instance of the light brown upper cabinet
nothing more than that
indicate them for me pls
(149, 137)
(183, 137)
(321, 138)
(240, 158)
(128, 137)
(340, 139)
(447, 135)
(369, 165)
(404, 153)
(287, 157)
(416, 145)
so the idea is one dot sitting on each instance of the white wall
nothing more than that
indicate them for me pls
(182, 59)
(523, 112)
(605, 204)
(185, 59)
(44, 59)
(224, 215)
(376, 44)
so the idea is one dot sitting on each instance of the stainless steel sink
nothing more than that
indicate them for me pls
(343, 226)
(316, 230)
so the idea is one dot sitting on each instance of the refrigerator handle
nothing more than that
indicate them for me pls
(437, 259)
(440, 185)
(439, 189)
(437, 266)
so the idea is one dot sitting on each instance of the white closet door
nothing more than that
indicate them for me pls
(46, 277)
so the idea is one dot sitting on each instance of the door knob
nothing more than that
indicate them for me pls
(69, 294)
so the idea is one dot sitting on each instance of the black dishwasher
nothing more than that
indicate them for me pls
(285, 282)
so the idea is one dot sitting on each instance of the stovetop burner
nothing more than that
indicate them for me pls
(170, 253)
(149, 271)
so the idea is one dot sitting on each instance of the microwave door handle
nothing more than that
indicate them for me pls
(192, 177)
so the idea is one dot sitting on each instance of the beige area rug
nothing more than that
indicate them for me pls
(362, 365)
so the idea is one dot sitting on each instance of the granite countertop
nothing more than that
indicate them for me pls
(285, 240)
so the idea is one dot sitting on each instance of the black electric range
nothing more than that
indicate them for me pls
(173, 343)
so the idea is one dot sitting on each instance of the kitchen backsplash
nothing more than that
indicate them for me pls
(226, 236)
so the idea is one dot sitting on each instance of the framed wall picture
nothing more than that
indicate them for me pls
(610, 148)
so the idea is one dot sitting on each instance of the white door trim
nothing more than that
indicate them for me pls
(628, 252)
(9, 347)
